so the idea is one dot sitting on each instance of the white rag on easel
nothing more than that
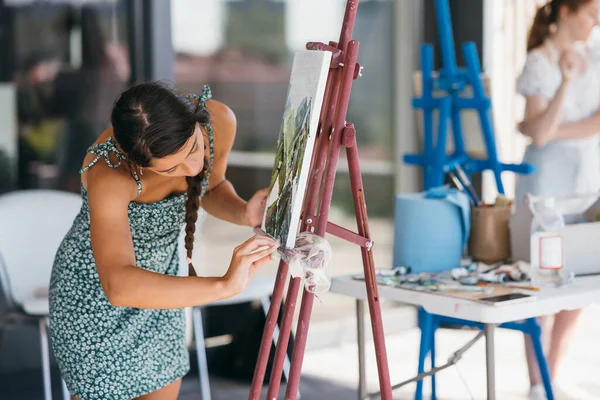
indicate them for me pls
(310, 260)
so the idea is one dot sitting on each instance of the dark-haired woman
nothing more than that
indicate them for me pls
(116, 304)
(561, 85)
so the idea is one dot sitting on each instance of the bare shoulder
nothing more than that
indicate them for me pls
(106, 185)
(220, 112)
(224, 125)
(100, 180)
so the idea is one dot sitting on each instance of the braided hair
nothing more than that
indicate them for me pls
(150, 120)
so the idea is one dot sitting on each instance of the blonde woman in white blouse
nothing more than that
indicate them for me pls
(561, 85)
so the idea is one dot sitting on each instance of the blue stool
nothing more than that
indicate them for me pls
(428, 323)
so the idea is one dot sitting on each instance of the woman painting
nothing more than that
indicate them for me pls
(116, 304)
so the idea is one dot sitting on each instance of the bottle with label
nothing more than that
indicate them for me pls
(547, 255)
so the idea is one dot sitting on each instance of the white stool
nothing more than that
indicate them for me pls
(26, 258)
(261, 289)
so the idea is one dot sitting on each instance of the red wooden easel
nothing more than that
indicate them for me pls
(333, 133)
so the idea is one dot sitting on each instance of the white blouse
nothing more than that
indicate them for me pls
(542, 77)
(571, 166)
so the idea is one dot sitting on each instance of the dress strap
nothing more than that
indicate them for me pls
(205, 95)
(211, 158)
(104, 150)
(202, 98)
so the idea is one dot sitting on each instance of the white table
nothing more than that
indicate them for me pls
(582, 292)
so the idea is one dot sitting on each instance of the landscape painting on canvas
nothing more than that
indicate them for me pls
(295, 145)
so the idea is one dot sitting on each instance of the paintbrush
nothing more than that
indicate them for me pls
(522, 287)
(467, 182)
(460, 186)
(456, 181)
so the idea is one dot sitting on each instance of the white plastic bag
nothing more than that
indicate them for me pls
(310, 260)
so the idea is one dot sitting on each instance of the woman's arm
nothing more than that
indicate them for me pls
(221, 199)
(128, 285)
(542, 121)
(543, 118)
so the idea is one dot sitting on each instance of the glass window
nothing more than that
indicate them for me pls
(67, 64)
(244, 49)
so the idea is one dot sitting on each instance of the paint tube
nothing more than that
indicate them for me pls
(494, 278)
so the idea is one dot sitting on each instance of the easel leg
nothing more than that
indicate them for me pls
(432, 357)
(459, 143)
(299, 345)
(474, 72)
(333, 153)
(334, 117)
(319, 161)
(490, 361)
(535, 332)
(360, 339)
(270, 324)
(427, 83)
(440, 148)
(284, 337)
(425, 323)
(360, 209)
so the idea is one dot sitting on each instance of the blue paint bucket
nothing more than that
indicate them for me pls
(431, 229)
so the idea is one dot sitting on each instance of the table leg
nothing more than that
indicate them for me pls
(490, 361)
(360, 322)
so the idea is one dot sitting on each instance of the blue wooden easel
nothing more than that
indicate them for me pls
(452, 81)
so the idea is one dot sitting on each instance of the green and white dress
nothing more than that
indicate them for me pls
(118, 353)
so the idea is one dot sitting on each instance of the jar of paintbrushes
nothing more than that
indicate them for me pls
(489, 241)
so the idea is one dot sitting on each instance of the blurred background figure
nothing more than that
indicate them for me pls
(84, 96)
(67, 73)
(38, 133)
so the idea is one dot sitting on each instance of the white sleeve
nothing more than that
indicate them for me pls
(537, 77)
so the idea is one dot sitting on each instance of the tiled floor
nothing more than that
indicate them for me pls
(27, 386)
(578, 375)
(330, 373)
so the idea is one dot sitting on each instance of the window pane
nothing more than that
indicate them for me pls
(244, 50)
(66, 72)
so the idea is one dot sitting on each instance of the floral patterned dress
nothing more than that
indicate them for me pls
(118, 353)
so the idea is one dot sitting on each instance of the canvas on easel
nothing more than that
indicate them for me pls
(295, 145)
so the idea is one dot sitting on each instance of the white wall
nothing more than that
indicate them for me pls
(408, 36)
(303, 24)
(198, 26)
(8, 122)
(506, 25)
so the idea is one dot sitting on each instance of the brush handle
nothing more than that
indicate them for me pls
(456, 181)
(467, 182)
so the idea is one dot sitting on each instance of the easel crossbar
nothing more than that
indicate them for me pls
(343, 233)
